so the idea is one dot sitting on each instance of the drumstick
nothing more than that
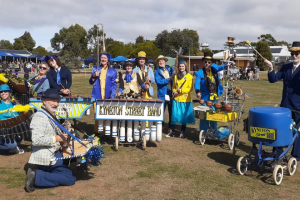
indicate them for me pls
(247, 42)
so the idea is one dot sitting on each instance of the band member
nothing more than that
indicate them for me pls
(103, 79)
(163, 78)
(131, 81)
(39, 83)
(8, 144)
(146, 73)
(208, 86)
(59, 76)
(47, 139)
(290, 73)
(182, 108)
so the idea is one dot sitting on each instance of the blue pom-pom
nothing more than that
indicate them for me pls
(94, 155)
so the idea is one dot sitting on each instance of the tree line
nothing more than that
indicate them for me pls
(76, 41)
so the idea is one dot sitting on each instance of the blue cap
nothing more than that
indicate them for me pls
(4, 87)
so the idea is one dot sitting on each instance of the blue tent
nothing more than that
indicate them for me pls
(43, 58)
(133, 60)
(89, 59)
(119, 59)
(15, 55)
(35, 56)
(3, 54)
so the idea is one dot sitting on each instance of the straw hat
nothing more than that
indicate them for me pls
(161, 57)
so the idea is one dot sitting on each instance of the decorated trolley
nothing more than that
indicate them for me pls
(131, 121)
(270, 127)
(228, 111)
(19, 125)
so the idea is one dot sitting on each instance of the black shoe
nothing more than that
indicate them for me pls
(30, 180)
(170, 134)
(16, 150)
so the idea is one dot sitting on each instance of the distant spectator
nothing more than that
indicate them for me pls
(257, 70)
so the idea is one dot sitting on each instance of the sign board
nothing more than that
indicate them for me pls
(264, 133)
(129, 110)
(74, 106)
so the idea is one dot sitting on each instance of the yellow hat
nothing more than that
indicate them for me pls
(141, 54)
(161, 57)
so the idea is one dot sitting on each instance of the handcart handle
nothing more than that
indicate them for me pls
(295, 111)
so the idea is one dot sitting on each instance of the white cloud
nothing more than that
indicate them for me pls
(125, 20)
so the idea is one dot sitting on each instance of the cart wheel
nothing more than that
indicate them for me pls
(202, 137)
(144, 142)
(242, 165)
(237, 138)
(116, 143)
(231, 141)
(292, 165)
(278, 174)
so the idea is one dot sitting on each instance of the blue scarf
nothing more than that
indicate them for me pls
(128, 77)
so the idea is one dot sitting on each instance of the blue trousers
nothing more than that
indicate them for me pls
(51, 176)
(296, 147)
(204, 124)
(7, 144)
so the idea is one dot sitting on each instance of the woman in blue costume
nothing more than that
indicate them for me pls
(208, 86)
(182, 107)
(59, 76)
(8, 144)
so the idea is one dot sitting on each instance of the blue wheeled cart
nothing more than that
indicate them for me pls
(273, 127)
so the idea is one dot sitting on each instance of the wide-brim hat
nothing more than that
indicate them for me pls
(51, 93)
(47, 58)
(161, 57)
(208, 56)
(129, 63)
(141, 54)
(4, 87)
(295, 46)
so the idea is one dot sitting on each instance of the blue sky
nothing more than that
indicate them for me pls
(214, 20)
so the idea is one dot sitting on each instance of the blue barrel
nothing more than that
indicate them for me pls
(271, 126)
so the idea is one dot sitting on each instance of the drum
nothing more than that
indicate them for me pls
(270, 125)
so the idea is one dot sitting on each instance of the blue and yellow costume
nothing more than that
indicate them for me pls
(182, 108)
(204, 78)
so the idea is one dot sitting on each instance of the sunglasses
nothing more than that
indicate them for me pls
(44, 68)
(296, 54)
(3, 91)
(207, 62)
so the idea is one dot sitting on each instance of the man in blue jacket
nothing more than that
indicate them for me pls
(208, 86)
(290, 73)
(163, 78)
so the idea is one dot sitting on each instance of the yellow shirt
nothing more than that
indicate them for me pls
(185, 92)
(215, 95)
(103, 81)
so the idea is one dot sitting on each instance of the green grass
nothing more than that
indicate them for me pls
(175, 169)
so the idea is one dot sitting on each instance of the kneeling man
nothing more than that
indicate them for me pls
(47, 140)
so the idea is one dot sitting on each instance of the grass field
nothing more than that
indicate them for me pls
(172, 169)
